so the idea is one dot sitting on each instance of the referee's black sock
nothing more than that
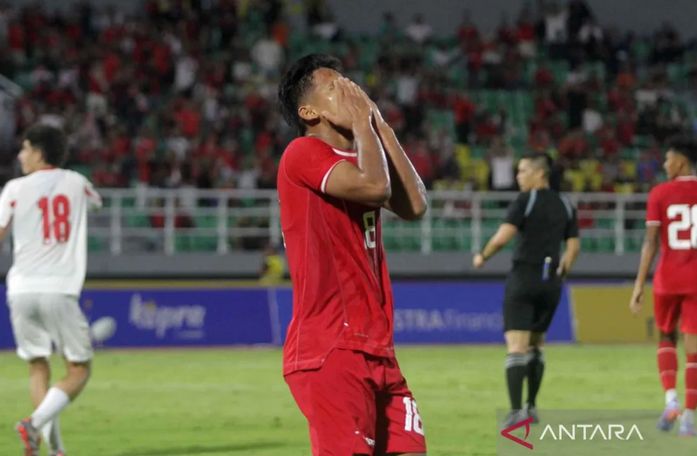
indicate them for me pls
(516, 370)
(536, 369)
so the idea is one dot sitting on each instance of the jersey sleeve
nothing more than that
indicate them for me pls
(653, 208)
(7, 204)
(516, 211)
(308, 162)
(571, 230)
(94, 200)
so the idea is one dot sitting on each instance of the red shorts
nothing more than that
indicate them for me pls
(358, 404)
(669, 308)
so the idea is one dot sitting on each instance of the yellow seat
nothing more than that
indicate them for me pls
(481, 173)
(589, 167)
(624, 188)
(576, 179)
(595, 182)
(628, 169)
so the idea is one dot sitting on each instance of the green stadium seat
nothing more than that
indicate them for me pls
(136, 220)
(389, 239)
(464, 242)
(605, 223)
(390, 243)
(559, 69)
(606, 245)
(203, 243)
(187, 242)
(477, 152)
(96, 244)
(588, 245)
(368, 56)
(85, 170)
(632, 244)
(409, 236)
(206, 221)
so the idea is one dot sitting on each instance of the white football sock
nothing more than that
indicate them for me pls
(55, 401)
(671, 396)
(688, 416)
(46, 431)
(52, 434)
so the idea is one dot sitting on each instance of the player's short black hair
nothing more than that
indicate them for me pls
(296, 81)
(540, 161)
(684, 144)
(51, 141)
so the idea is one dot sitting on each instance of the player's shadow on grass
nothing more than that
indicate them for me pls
(205, 449)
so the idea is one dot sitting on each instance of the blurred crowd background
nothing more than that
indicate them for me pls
(182, 93)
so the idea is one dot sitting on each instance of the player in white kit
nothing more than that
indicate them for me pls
(46, 210)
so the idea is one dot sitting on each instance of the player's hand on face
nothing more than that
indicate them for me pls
(636, 303)
(352, 103)
(478, 261)
(378, 120)
(374, 109)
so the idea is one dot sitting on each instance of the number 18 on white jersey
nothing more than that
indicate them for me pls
(48, 212)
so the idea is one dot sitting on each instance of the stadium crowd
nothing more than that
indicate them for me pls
(183, 93)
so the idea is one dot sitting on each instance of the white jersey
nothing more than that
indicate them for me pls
(48, 212)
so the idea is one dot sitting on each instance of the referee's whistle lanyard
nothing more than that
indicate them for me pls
(545, 268)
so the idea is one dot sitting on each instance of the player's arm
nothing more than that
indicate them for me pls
(654, 211)
(409, 199)
(7, 205)
(94, 200)
(648, 254)
(503, 236)
(368, 182)
(573, 243)
(573, 248)
(4, 230)
(507, 231)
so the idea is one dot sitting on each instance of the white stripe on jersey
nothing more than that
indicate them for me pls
(48, 212)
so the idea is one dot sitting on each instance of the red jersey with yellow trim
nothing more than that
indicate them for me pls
(673, 206)
(342, 297)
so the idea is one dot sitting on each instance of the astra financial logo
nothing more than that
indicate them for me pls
(574, 432)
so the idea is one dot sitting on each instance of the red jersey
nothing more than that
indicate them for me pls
(673, 206)
(342, 296)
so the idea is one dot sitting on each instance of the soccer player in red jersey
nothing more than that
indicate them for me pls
(671, 216)
(338, 358)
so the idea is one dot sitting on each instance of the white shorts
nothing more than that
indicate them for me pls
(39, 319)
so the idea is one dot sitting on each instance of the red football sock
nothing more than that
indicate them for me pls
(667, 364)
(691, 382)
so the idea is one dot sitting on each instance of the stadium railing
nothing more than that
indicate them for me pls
(218, 221)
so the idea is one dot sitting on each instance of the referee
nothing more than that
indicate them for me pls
(544, 219)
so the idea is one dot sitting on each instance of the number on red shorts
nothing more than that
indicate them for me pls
(412, 419)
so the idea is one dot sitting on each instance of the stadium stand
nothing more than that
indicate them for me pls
(181, 95)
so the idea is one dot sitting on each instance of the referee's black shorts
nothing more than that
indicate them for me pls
(530, 299)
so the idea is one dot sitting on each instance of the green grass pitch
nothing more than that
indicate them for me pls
(234, 401)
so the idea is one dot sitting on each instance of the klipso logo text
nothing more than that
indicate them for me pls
(575, 432)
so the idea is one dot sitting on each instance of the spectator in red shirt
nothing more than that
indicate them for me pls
(188, 119)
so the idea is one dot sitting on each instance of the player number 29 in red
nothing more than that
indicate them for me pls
(55, 218)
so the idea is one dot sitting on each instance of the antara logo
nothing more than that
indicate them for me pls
(574, 432)
(507, 433)
(591, 432)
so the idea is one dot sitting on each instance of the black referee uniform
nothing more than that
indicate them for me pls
(544, 219)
